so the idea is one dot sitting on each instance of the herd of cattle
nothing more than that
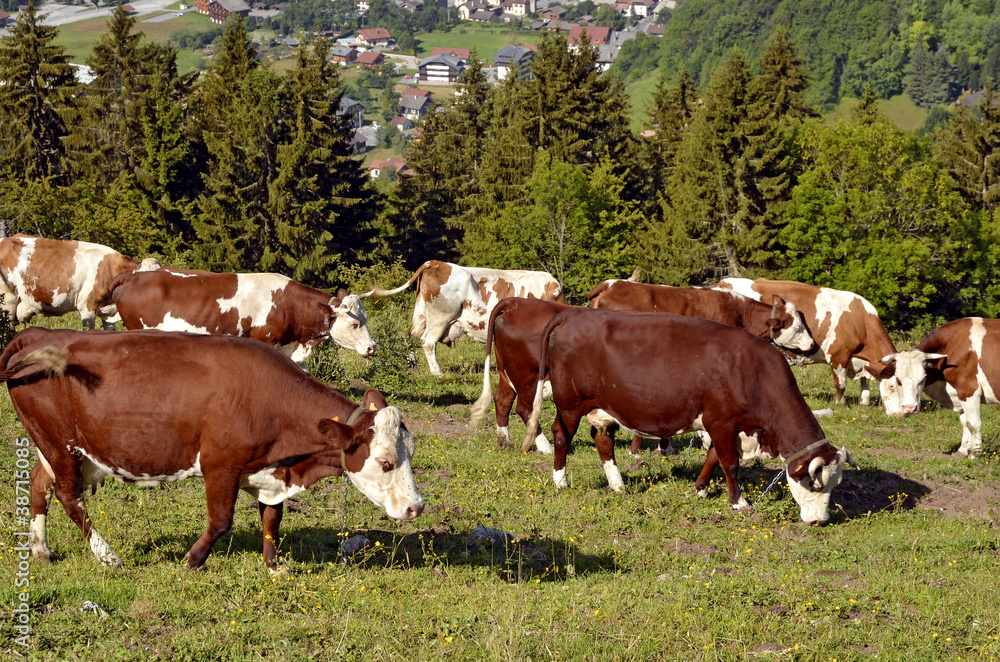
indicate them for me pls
(154, 404)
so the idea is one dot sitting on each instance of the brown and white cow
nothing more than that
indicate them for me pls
(514, 331)
(290, 316)
(452, 300)
(52, 277)
(845, 326)
(151, 407)
(779, 322)
(662, 374)
(958, 365)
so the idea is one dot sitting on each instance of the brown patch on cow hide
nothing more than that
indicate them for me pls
(10, 252)
(432, 279)
(51, 267)
(110, 266)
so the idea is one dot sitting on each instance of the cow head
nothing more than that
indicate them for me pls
(902, 377)
(788, 329)
(349, 323)
(380, 468)
(811, 481)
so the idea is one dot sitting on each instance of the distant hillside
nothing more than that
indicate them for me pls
(930, 50)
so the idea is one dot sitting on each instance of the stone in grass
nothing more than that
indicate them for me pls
(354, 544)
(483, 535)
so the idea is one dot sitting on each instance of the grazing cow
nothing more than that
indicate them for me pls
(958, 365)
(663, 374)
(514, 331)
(52, 277)
(149, 407)
(448, 295)
(292, 317)
(779, 322)
(845, 326)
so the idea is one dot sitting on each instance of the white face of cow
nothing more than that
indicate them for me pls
(796, 336)
(386, 476)
(349, 327)
(903, 381)
(812, 492)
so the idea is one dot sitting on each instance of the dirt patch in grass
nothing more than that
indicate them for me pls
(682, 546)
(963, 500)
(452, 422)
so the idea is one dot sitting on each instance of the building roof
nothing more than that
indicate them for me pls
(460, 53)
(597, 34)
(371, 34)
(233, 6)
(415, 92)
(414, 103)
(342, 50)
(513, 54)
(450, 61)
(369, 57)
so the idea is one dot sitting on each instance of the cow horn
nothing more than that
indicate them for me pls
(888, 358)
(814, 467)
(848, 459)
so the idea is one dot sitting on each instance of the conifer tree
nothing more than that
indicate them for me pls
(783, 78)
(970, 146)
(36, 99)
(319, 198)
(867, 110)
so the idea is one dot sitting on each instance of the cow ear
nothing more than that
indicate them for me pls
(341, 293)
(880, 370)
(778, 301)
(334, 430)
(329, 310)
(937, 361)
(374, 400)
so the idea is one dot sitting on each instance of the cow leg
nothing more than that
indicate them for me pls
(606, 449)
(562, 431)
(68, 488)
(636, 448)
(839, 381)
(221, 490)
(270, 520)
(41, 493)
(711, 461)
(503, 400)
(972, 428)
(866, 393)
(729, 458)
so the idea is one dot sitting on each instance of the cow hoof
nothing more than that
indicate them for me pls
(559, 478)
(42, 556)
(702, 493)
(543, 446)
(741, 505)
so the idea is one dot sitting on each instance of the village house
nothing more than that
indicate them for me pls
(219, 11)
(353, 110)
(401, 123)
(514, 60)
(467, 9)
(414, 108)
(440, 69)
(374, 37)
(554, 13)
(343, 54)
(599, 36)
(518, 8)
(398, 165)
(371, 59)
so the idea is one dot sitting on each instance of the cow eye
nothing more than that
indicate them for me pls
(354, 325)
(386, 464)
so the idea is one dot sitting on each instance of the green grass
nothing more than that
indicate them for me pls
(900, 109)
(487, 40)
(640, 95)
(905, 571)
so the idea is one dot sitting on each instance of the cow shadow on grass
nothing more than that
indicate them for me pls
(309, 549)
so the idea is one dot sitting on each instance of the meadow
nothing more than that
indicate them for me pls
(906, 570)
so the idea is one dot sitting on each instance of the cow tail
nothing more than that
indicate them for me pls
(379, 292)
(543, 370)
(477, 412)
(49, 357)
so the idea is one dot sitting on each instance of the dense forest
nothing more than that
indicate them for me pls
(930, 49)
(242, 169)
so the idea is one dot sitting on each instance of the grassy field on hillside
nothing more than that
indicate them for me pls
(900, 109)
(906, 570)
(487, 40)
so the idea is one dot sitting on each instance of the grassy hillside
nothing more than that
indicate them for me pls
(487, 40)
(900, 109)
(905, 570)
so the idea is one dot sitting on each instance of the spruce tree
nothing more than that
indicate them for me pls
(969, 145)
(36, 99)
(319, 199)
(783, 78)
